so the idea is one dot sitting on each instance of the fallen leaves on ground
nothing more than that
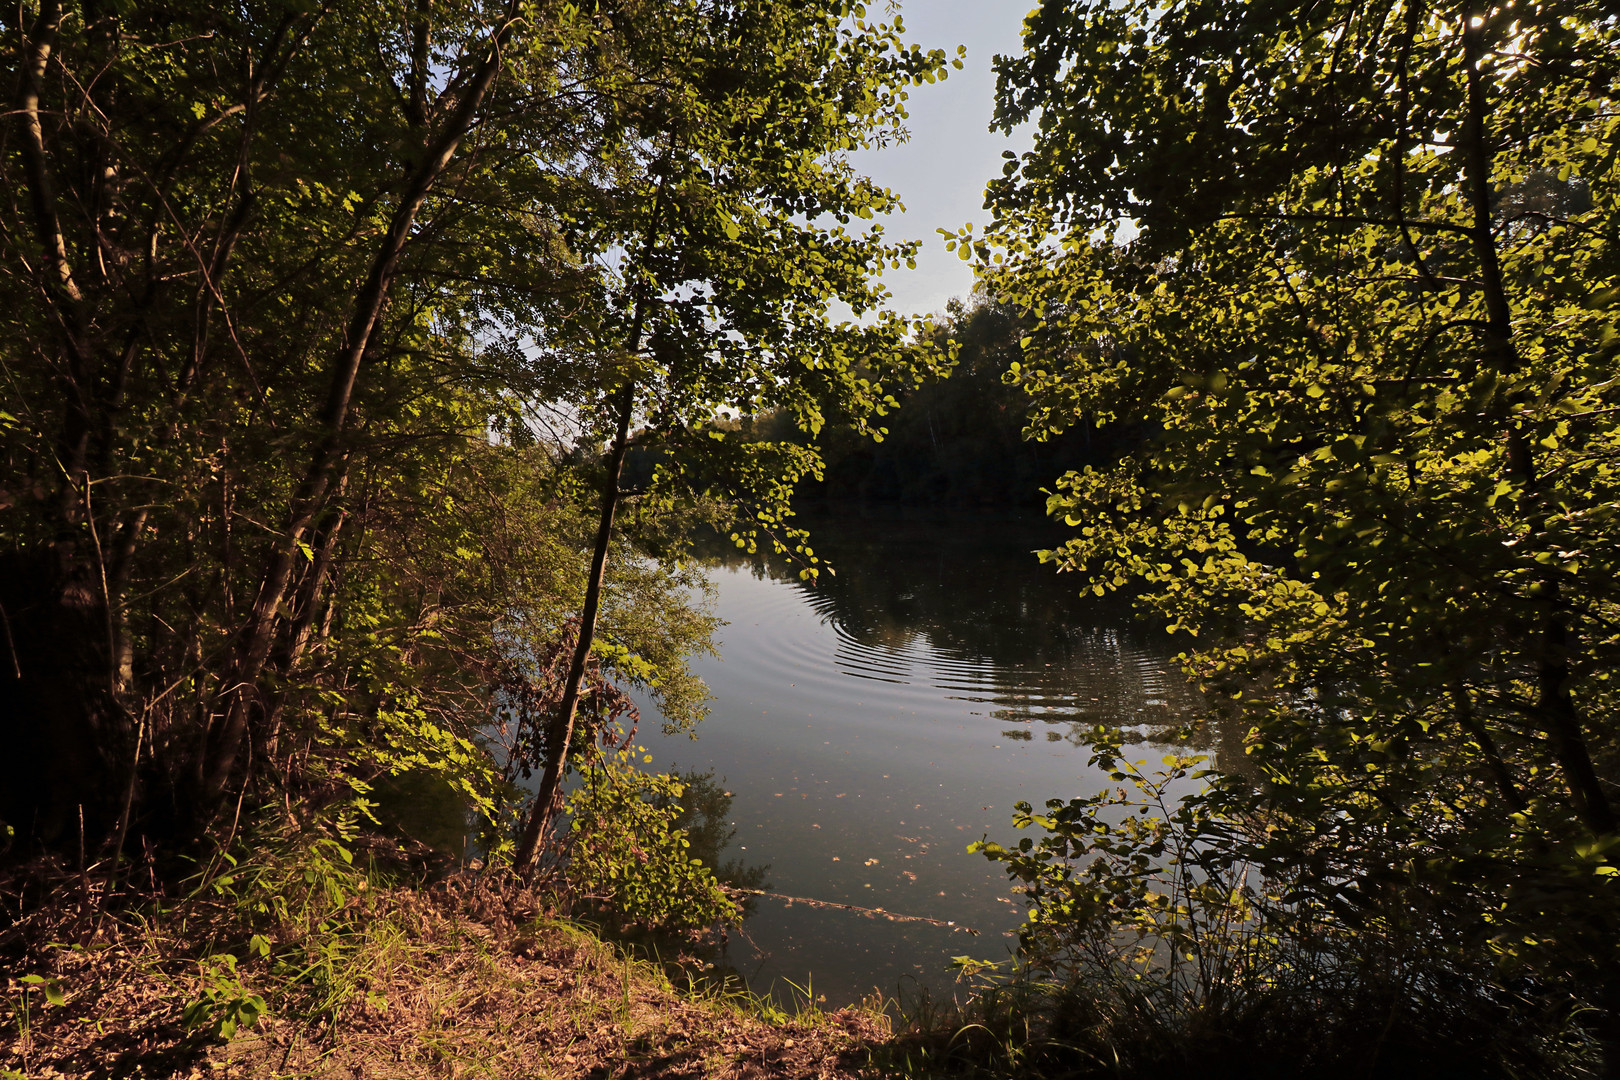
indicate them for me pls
(444, 994)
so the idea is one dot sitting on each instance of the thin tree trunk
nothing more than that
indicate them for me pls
(1464, 710)
(306, 607)
(1565, 733)
(1560, 716)
(59, 694)
(561, 732)
(64, 299)
(549, 798)
(41, 185)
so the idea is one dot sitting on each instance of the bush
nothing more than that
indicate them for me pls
(628, 855)
(1153, 942)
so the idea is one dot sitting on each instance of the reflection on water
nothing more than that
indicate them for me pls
(960, 605)
(705, 815)
(870, 726)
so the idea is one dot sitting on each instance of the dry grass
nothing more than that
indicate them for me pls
(464, 981)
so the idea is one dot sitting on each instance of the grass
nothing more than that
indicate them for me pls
(308, 962)
(302, 964)
(1030, 1027)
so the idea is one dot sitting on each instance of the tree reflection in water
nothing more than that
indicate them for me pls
(959, 599)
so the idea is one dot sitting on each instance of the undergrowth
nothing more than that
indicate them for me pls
(304, 955)
(292, 925)
(1152, 946)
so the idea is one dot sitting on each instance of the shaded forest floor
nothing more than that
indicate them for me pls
(476, 977)
(426, 983)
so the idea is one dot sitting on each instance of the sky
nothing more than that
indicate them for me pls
(941, 172)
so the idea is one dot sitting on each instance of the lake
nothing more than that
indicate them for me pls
(870, 726)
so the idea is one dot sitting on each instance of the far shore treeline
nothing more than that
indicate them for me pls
(957, 440)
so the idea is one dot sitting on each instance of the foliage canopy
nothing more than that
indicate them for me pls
(288, 290)
(1357, 264)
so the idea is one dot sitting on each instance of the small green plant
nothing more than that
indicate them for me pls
(1135, 886)
(628, 855)
(51, 988)
(298, 912)
(1153, 939)
(225, 1004)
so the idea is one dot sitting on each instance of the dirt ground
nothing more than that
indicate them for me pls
(434, 991)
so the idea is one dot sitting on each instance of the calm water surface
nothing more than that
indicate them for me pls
(871, 726)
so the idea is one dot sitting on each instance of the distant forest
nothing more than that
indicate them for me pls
(957, 441)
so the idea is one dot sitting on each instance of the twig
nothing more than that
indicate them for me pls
(868, 912)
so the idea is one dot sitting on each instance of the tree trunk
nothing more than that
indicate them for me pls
(227, 732)
(67, 743)
(561, 731)
(1560, 717)
(1556, 706)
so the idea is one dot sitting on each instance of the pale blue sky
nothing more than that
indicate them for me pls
(940, 174)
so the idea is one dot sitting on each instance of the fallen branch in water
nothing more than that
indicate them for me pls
(870, 913)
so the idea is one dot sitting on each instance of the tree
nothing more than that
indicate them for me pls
(1358, 264)
(261, 266)
(728, 238)
(286, 290)
(957, 440)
